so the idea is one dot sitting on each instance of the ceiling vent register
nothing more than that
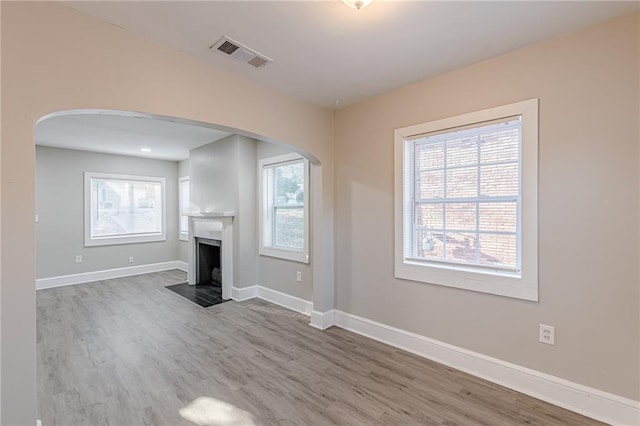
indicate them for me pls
(240, 52)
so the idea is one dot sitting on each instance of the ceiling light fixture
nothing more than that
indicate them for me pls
(145, 149)
(357, 4)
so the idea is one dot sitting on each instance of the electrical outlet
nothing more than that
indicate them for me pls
(130, 259)
(299, 276)
(547, 334)
(79, 258)
(37, 218)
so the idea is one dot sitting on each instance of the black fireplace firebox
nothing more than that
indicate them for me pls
(208, 262)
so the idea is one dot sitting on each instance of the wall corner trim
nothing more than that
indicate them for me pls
(86, 277)
(323, 320)
(581, 399)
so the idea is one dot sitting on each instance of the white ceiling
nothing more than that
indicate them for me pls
(124, 135)
(325, 51)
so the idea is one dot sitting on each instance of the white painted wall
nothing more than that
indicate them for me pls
(60, 208)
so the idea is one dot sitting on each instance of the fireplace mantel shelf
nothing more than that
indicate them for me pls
(211, 214)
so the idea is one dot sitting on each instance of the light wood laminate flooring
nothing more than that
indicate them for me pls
(128, 351)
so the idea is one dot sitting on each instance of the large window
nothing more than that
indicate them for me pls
(121, 209)
(466, 201)
(284, 218)
(185, 205)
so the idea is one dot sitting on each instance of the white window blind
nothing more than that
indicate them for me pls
(462, 195)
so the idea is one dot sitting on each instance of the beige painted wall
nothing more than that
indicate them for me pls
(588, 209)
(55, 58)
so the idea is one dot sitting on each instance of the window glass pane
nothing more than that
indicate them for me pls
(462, 151)
(457, 173)
(499, 180)
(461, 216)
(429, 155)
(462, 182)
(430, 185)
(288, 206)
(429, 245)
(430, 215)
(289, 227)
(289, 184)
(498, 250)
(498, 217)
(499, 146)
(460, 247)
(122, 207)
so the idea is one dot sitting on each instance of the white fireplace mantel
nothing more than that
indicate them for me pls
(214, 226)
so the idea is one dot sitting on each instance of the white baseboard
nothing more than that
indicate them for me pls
(286, 300)
(86, 277)
(240, 294)
(588, 401)
(183, 266)
(323, 320)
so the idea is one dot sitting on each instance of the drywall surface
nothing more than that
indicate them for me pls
(587, 84)
(56, 59)
(280, 274)
(247, 212)
(183, 246)
(60, 209)
(223, 179)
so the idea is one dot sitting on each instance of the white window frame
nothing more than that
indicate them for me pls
(183, 236)
(121, 239)
(265, 217)
(522, 284)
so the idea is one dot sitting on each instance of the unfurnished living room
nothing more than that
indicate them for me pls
(332, 212)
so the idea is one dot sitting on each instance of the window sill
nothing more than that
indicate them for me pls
(184, 237)
(512, 285)
(295, 256)
(109, 241)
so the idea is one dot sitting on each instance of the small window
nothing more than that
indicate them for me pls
(284, 218)
(122, 209)
(185, 204)
(466, 201)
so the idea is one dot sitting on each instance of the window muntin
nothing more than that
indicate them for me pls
(448, 202)
(284, 210)
(123, 209)
(185, 205)
(464, 187)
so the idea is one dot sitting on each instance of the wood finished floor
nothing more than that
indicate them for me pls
(130, 352)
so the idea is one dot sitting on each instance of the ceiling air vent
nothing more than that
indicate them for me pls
(241, 53)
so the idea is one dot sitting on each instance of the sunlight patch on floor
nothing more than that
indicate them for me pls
(207, 411)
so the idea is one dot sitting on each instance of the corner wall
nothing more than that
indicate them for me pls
(587, 84)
